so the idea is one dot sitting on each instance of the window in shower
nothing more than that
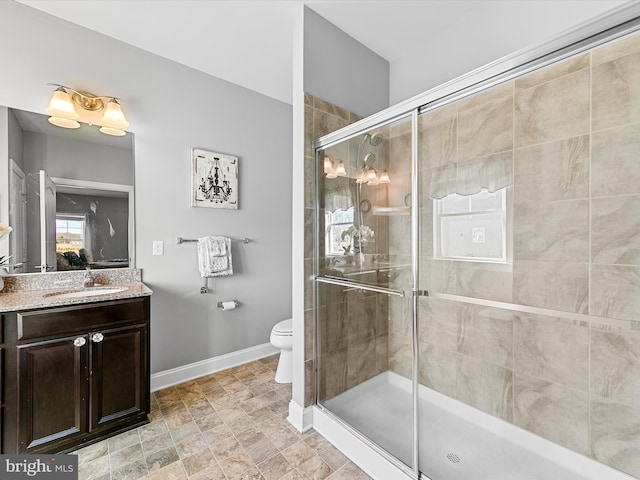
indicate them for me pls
(336, 223)
(471, 227)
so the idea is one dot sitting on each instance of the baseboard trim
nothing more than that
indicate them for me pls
(174, 376)
(368, 459)
(300, 418)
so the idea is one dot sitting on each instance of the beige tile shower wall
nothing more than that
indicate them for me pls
(572, 132)
(354, 330)
(353, 338)
(615, 263)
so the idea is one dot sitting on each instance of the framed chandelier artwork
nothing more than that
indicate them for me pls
(214, 179)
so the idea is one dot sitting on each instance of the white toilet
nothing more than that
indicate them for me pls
(282, 338)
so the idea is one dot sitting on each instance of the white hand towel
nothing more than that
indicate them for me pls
(218, 246)
(214, 256)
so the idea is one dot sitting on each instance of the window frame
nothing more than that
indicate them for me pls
(328, 226)
(72, 217)
(438, 216)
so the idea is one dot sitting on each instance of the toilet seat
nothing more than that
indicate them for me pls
(283, 328)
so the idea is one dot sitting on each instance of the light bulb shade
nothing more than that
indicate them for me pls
(113, 131)
(328, 165)
(63, 122)
(60, 106)
(113, 117)
(340, 170)
(384, 177)
(371, 176)
(361, 177)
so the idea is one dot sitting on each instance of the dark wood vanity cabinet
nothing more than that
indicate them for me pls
(75, 375)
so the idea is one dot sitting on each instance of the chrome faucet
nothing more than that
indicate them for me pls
(89, 280)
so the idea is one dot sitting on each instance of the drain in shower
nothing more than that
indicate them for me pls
(453, 457)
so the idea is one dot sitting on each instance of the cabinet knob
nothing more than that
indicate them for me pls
(97, 337)
(79, 342)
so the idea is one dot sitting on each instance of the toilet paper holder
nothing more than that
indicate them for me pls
(236, 304)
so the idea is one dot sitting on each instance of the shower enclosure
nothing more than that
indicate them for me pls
(478, 272)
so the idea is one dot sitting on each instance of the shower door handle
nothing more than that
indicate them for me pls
(361, 286)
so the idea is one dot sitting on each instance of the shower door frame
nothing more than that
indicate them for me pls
(617, 23)
(412, 117)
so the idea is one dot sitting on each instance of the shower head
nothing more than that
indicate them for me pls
(375, 139)
(369, 160)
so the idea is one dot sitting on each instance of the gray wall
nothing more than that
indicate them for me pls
(65, 158)
(4, 175)
(10, 147)
(15, 140)
(172, 109)
(342, 71)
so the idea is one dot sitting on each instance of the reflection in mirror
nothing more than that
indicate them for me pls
(339, 215)
(363, 186)
(355, 179)
(71, 196)
(91, 224)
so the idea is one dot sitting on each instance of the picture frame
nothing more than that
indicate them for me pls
(214, 179)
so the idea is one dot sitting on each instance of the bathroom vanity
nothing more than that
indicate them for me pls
(74, 366)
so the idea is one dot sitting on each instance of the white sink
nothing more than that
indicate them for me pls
(89, 292)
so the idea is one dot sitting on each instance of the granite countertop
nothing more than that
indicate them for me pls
(29, 299)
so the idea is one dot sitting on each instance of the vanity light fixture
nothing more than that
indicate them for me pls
(369, 174)
(328, 167)
(334, 169)
(384, 177)
(68, 107)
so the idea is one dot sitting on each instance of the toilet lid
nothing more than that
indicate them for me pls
(284, 327)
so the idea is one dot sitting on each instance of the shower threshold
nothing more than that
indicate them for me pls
(457, 441)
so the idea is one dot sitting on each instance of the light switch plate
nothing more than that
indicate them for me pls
(158, 247)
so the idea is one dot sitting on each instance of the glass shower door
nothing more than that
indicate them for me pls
(364, 282)
(465, 343)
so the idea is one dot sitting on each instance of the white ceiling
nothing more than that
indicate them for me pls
(249, 42)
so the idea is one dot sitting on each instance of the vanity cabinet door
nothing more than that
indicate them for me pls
(119, 380)
(53, 393)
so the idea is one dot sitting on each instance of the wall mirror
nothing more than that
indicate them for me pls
(71, 196)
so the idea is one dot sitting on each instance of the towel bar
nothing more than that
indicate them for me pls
(180, 240)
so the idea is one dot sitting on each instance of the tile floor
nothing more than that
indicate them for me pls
(230, 425)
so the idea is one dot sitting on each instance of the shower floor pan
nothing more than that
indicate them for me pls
(456, 440)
